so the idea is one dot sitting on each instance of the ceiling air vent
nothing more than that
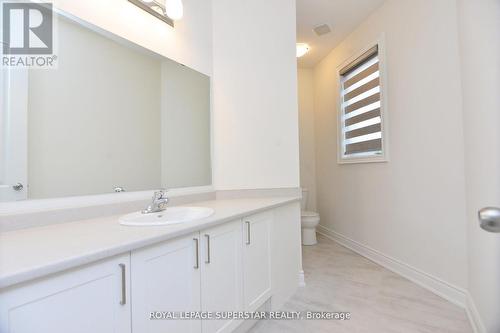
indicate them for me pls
(321, 30)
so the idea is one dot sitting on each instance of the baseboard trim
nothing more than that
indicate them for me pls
(302, 279)
(437, 286)
(474, 317)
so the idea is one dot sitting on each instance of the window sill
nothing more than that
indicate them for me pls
(356, 160)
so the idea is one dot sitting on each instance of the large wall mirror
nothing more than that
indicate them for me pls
(111, 116)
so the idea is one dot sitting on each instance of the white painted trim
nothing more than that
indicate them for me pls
(43, 205)
(380, 41)
(15, 133)
(302, 279)
(3, 113)
(437, 286)
(474, 317)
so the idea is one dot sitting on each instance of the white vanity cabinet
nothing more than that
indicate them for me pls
(220, 269)
(221, 274)
(166, 277)
(94, 298)
(257, 260)
(200, 272)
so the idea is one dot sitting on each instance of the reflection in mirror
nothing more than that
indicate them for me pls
(111, 116)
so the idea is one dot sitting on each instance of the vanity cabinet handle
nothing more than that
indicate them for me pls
(208, 249)
(197, 248)
(123, 301)
(248, 232)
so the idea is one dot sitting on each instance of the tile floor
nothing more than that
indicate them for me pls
(379, 300)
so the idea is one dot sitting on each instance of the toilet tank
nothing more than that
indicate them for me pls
(303, 202)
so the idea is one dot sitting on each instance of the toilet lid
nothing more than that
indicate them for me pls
(309, 214)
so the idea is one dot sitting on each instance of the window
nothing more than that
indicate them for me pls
(361, 116)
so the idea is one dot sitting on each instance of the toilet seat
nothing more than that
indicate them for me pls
(306, 213)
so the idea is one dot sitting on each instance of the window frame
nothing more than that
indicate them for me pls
(381, 158)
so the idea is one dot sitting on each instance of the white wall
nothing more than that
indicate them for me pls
(255, 94)
(306, 134)
(411, 208)
(480, 53)
(189, 43)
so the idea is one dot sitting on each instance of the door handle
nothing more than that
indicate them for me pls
(208, 249)
(489, 219)
(18, 187)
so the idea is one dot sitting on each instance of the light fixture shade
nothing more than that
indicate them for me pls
(174, 9)
(302, 49)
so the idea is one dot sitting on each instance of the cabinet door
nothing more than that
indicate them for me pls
(94, 299)
(166, 278)
(221, 283)
(256, 260)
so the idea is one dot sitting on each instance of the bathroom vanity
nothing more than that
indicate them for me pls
(99, 276)
(85, 145)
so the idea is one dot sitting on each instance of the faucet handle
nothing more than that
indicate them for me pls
(160, 194)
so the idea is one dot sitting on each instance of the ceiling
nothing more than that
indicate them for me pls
(343, 16)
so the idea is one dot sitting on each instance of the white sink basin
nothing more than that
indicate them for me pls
(172, 215)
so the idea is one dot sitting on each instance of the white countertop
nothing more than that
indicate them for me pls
(36, 252)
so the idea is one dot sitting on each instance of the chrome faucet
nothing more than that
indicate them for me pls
(158, 204)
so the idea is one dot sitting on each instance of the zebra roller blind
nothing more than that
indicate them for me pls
(361, 115)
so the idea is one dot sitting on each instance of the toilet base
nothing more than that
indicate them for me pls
(309, 236)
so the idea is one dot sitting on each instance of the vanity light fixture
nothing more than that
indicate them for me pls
(174, 9)
(165, 10)
(302, 49)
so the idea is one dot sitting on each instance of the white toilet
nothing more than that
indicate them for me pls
(309, 222)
